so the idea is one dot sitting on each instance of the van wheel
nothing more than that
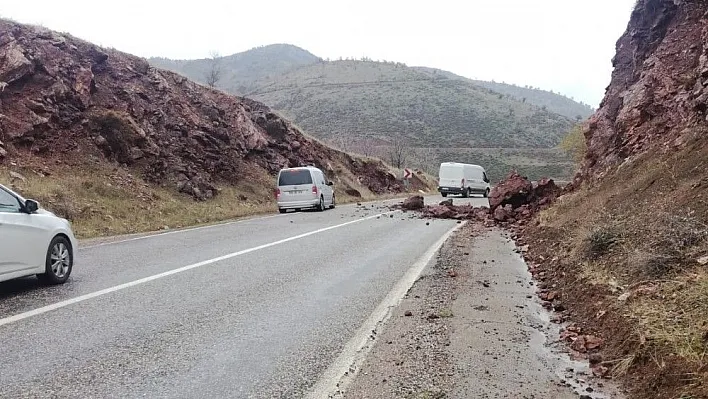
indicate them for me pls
(466, 193)
(334, 202)
(444, 195)
(321, 207)
(281, 210)
(486, 193)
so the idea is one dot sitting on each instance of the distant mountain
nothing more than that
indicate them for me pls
(554, 102)
(239, 71)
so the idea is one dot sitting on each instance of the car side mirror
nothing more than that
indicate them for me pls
(31, 206)
(486, 180)
(329, 183)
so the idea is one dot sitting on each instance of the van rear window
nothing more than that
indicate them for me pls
(451, 172)
(294, 177)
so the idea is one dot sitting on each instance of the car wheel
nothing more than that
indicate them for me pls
(466, 193)
(321, 207)
(444, 195)
(334, 202)
(486, 193)
(281, 210)
(59, 261)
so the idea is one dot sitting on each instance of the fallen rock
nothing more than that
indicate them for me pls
(447, 202)
(413, 203)
(595, 358)
(520, 198)
(440, 212)
(584, 343)
(593, 342)
(501, 214)
(514, 190)
(546, 188)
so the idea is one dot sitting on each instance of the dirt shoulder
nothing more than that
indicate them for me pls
(471, 328)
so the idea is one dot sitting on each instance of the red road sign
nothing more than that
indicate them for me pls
(407, 173)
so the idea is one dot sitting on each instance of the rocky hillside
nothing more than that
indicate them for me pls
(239, 72)
(657, 96)
(65, 103)
(626, 250)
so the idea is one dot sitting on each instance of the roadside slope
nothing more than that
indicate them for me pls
(626, 250)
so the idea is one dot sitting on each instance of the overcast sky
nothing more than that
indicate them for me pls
(560, 45)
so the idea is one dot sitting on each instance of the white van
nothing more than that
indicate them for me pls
(462, 178)
(304, 187)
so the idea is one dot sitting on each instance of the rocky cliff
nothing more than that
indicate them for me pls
(71, 102)
(657, 98)
(625, 253)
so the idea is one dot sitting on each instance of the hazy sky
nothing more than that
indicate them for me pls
(560, 45)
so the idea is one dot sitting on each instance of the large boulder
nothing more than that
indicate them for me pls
(515, 190)
(13, 63)
(546, 188)
(441, 212)
(413, 203)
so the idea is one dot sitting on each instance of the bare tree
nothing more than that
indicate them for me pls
(213, 75)
(398, 153)
(342, 142)
(366, 147)
(426, 159)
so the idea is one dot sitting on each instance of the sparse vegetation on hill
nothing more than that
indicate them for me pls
(364, 99)
(554, 102)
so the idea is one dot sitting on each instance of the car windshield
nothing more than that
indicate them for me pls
(294, 177)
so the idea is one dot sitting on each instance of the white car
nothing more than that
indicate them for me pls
(33, 241)
(305, 187)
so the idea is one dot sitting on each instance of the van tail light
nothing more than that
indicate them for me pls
(314, 190)
(463, 183)
(277, 193)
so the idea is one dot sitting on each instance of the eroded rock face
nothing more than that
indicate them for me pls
(63, 96)
(658, 94)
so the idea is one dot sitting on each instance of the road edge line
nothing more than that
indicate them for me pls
(119, 239)
(334, 381)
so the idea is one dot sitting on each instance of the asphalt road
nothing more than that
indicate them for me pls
(257, 308)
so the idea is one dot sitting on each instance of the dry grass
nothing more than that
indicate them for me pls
(104, 201)
(107, 202)
(674, 317)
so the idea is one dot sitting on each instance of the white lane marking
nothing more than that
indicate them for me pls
(149, 235)
(335, 379)
(85, 297)
(250, 219)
